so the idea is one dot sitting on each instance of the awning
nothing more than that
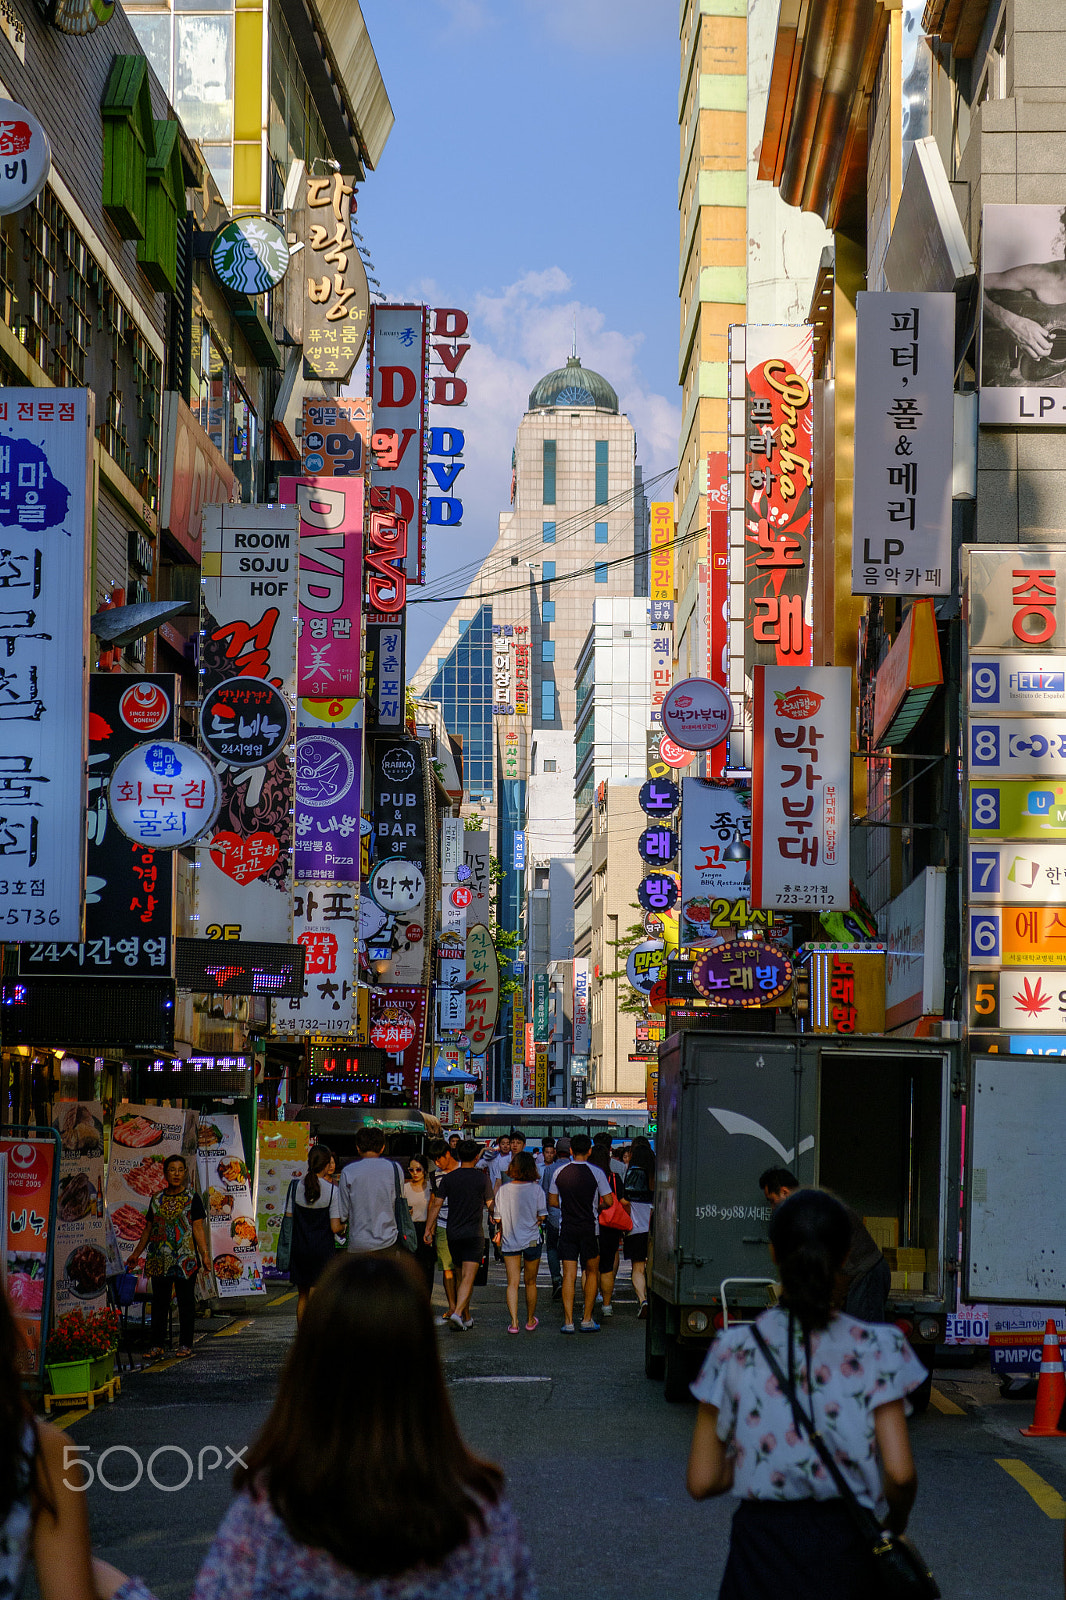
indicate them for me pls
(908, 677)
(444, 1072)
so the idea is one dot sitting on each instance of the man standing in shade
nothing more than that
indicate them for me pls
(364, 1197)
(580, 1192)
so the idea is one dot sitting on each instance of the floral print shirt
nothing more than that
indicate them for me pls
(254, 1557)
(855, 1367)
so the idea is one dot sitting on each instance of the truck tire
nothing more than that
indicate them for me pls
(654, 1339)
(678, 1372)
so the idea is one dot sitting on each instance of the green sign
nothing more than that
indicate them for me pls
(250, 255)
(1025, 808)
(540, 1006)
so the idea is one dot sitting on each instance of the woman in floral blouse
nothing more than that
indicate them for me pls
(359, 1486)
(792, 1533)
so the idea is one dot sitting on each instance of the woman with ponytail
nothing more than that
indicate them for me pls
(792, 1532)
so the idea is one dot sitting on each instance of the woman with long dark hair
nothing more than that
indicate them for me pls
(418, 1192)
(792, 1532)
(42, 1520)
(639, 1189)
(359, 1484)
(313, 1225)
(610, 1238)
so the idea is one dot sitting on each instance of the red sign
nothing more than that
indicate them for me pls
(393, 1030)
(717, 587)
(396, 1001)
(30, 1220)
(1033, 596)
(461, 896)
(144, 707)
(673, 754)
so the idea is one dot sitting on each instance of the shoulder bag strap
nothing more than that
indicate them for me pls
(290, 1198)
(865, 1520)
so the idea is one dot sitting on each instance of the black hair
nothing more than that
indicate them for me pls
(601, 1157)
(523, 1169)
(642, 1155)
(369, 1141)
(181, 1161)
(775, 1179)
(811, 1234)
(516, 1133)
(468, 1150)
(580, 1144)
(436, 1148)
(317, 1162)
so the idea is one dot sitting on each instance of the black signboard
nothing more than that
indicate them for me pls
(659, 797)
(679, 984)
(240, 966)
(81, 1013)
(385, 672)
(244, 721)
(129, 899)
(399, 801)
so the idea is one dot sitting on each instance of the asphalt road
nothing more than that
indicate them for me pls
(594, 1459)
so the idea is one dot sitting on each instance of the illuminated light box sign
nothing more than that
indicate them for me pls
(77, 1013)
(240, 966)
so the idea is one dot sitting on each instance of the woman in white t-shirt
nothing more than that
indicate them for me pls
(312, 1226)
(418, 1193)
(521, 1208)
(792, 1533)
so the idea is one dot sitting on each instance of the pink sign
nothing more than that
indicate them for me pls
(331, 579)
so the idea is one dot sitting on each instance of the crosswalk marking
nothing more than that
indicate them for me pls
(1048, 1499)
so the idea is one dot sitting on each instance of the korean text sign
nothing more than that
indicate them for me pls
(45, 440)
(661, 561)
(904, 428)
(778, 490)
(338, 296)
(330, 572)
(324, 921)
(398, 366)
(801, 791)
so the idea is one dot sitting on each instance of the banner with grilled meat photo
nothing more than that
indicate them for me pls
(226, 1186)
(142, 1139)
(80, 1264)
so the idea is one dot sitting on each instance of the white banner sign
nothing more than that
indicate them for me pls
(476, 859)
(1017, 747)
(801, 789)
(1022, 356)
(582, 1017)
(324, 921)
(904, 441)
(398, 390)
(45, 437)
(226, 1184)
(1016, 874)
(1018, 683)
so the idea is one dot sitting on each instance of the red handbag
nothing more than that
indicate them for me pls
(616, 1215)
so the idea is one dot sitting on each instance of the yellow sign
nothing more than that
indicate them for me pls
(1015, 937)
(662, 552)
(518, 1038)
(847, 991)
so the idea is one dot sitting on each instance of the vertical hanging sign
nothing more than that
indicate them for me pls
(801, 789)
(778, 473)
(718, 590)
(398, 384)
(248, 594)
(662, 561)
(338, 296)
(45, 485)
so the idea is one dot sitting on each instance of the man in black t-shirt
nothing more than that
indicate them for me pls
(466, 1191)
(580, 1192)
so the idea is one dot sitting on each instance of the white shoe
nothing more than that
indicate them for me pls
(456, 1321)
(607, 1311)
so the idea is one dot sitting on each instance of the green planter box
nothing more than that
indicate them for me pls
(70, 1377)
(102, 1369)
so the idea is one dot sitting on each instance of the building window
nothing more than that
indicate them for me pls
(550, 766)
(548, 496)
(547, 700)
(601, 528)
(547, 649)
(601, 472)
(547, 610)
(547, 530)
(548, 571)
(601, 572)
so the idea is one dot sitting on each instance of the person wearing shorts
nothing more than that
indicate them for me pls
(521, 1209)
(466, 1192)
(580, 1191)
(444, 1160)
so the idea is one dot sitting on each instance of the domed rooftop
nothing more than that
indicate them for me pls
(573, 385)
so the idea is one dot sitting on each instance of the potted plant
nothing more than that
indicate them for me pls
(81, 1351)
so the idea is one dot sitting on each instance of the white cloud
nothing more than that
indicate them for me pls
(518, 334)
(607, 27)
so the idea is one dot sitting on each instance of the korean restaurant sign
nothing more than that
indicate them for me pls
(904, 429)
(1016, 597)
(476, 861)
(385, 681)
(398, 392)
(336, 436)
(25, 157)
(45, 495)
(778, 491)
(163, 794)
(128, 915)
(324, 921)
(801, 789)
(337, 297)
(715, 853)
(697, 714)
(661, 592)
(330, 571)
(248, 629)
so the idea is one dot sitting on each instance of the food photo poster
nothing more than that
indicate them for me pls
(226, 1187)
(80, 1261)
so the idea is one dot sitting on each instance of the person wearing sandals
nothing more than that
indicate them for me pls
(794, 1532)
(313, 1227)
(521, 1208)
(639, 1190)
(176, 1239)
(610, 1238)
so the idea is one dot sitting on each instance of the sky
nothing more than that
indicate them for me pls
(531, 177)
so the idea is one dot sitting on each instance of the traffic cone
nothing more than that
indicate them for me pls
(1050, 1391)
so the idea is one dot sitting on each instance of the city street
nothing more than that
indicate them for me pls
(594, 1460)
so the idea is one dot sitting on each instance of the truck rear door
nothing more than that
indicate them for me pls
(1015, 1234)
(742, 1110)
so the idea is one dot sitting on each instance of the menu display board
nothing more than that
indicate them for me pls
(143, 1138)
(32, 1173)
(283, 1151)
(80, 1273)
(227, 1192)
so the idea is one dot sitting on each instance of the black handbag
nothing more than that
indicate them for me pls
(405, 1228)
(283, 1255)
(900, 1570)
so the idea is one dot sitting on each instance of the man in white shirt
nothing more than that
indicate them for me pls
(499, 1163)
(365, 1197)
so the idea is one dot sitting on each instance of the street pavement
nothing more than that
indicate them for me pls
(594, 1459)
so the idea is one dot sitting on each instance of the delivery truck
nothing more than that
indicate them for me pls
(877, 1121)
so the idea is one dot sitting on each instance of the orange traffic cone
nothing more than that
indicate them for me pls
(1050, 1391)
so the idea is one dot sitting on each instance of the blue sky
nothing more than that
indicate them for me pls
(531, 176)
